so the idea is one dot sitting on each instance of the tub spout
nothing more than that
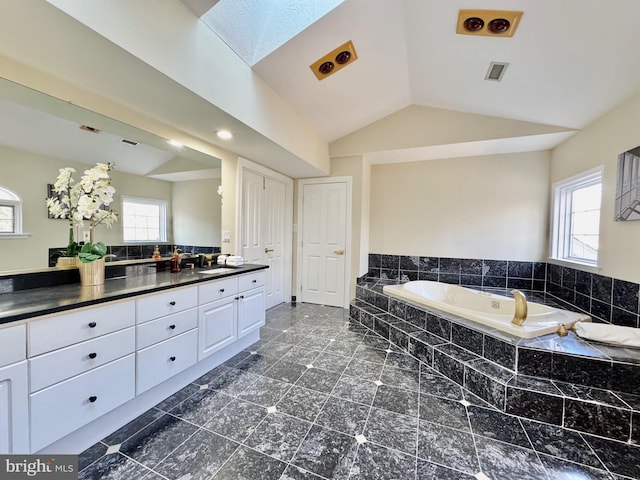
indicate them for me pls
(520, 314)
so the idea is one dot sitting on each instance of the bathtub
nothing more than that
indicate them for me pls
(495, 311)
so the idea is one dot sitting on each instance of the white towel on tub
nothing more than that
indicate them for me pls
(614, 334)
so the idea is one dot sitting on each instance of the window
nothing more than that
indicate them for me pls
(10, 213)
(144, 220)
(576, 218)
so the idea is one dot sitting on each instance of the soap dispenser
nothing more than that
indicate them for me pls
(156, 254)
(175, 261)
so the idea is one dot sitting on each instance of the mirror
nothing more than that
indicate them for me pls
(627, 206)
(40, 134)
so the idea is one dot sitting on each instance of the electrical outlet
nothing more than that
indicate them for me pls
(226, 237)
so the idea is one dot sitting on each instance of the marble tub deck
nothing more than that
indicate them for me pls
(319, 396)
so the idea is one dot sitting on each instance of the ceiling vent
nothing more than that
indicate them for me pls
(87, 128)
(496, 71)
(129, 142)
(334, 61)
(491, 23)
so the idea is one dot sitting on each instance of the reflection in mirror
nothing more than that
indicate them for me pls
(40, 134)
(628, 186)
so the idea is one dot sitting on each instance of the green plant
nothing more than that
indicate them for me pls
(92, 251)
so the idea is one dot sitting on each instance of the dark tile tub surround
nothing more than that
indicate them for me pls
(606, 299)
(564, 381)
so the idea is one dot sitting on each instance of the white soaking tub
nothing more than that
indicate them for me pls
(495, 311)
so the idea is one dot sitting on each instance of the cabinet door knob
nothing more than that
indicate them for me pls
(172, 303)
(172, 327)
(254, 281)
(221, 290)
(92, 324)
(93, 355)
(173, 359)
(93, 398)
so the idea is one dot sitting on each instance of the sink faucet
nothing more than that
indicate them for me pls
(520, 314)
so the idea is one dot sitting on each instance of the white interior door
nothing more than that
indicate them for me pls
(264, 229)
(324, 239)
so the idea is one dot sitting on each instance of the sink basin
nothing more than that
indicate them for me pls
(213, 271)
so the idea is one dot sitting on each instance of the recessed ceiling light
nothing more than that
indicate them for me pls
(224, 134)
(175, 143)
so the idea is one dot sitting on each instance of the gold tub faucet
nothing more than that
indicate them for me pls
(520, 314)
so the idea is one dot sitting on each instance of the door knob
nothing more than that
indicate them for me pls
(339, 252)
(268, 250)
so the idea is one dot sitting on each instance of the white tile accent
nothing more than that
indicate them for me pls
(253, 352)
(481, 476)
(362, 439)
(310, 365)
(113, 449)
(378, 382)
(465, 403)
(204, 387)
(271, 409)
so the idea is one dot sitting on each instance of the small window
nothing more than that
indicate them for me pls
(10, 213)
(576, 218)
(144, 220)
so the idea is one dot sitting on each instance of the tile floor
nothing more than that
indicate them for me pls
(319, 397)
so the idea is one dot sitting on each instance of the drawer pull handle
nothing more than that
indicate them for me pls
(221, 290)
(173, 359)
(172, 303)
(172, 327)
(93, 355)
(93, 398)
(92, 325)
(237, 298)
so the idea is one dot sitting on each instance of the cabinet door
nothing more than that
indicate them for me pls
(216, 326)
(14, 414)
(251, 311)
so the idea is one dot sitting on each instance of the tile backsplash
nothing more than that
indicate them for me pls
(606, 299)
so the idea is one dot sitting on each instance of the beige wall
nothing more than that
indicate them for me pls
(197, 212)
(599, 144)
(27, 175)
(493, 207)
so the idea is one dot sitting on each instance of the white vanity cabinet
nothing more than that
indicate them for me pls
(82, 365)
(14, 413)
(229, 309)
(166, 335)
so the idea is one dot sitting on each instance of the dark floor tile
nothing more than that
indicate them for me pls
(114, 467)
(178, 397)
(620, 458)
(497, 426)
(285, 371)
(232, 382)
(561, 443)
(314, 343)
(355, 389)
(503, 460)
(392, 430)
(370, 354)
(363, 369)
(157, 440)
(397, 377)
(198, 458)
(302, 403)
(396, 400)
(562, 470)
(435, 384)
(326, 453)
(331, 362)
(449, 413)
(431, 471)
(278, 435)
(296, 473)
(341, 347)
(247, 464)
(343, 416)
(318, 379)
(374, 462)
(237, 420)
(90, 455)
(134, 426)
(274, 349)
(301, 355)
(257, 363)
(446, 446)
(265, 391)
(201, 407)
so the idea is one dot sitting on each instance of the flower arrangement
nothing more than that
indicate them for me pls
(86, 200)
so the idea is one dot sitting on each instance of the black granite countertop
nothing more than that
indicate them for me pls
(34, 302)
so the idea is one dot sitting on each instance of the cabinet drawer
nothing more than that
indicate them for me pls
(162, 304)
(59, 410)
(14, 344)
(216, 290)
(165, 359)
(251, 280)
(56, 366)
(166, 327)
(60, 331)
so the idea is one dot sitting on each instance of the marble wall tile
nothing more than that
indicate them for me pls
(625, 295)
(537, 406)
(411, 263)
(584, 371)
(494, 268)
(471, 266)
(439, 326)
(421, 350)
(498, 426)
(464, 337)
(448, 366)
(517, 269)
(624, 318)
(429, 264)
(431, 276)
(390, 262)
(450, 265)
(536, 363)
(496, 282)
(500, 352)
(416, 317)
(597, 419)
(618, 457)
(625, 377)
(471, 280)
(601, 288)
(485, 387)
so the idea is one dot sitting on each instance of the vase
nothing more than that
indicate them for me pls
(67, 262)
(92, 273)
